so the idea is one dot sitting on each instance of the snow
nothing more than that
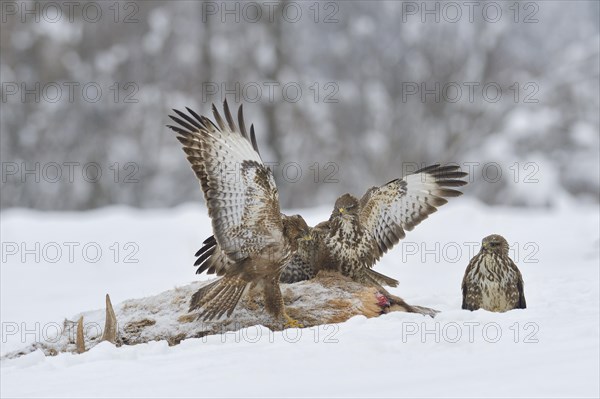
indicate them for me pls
(549, 349)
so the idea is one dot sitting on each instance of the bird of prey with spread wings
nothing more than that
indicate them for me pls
(252, 240)
(359, 232)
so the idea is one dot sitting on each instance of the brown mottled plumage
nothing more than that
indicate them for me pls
(252, 240)
(492, 281)
(301, 265)
(359, 232)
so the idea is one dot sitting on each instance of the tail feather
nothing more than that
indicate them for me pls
(381, 279)
(204, 295)
(232, 297)
(218, 297)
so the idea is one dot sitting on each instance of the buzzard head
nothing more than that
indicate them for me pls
(495, 243)
(295, 228)
(345, 206)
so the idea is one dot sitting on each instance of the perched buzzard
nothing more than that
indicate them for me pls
(254, 240)
(492, 281)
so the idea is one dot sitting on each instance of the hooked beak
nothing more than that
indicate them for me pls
(342, 210)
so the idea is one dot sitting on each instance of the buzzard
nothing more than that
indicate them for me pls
(359, 232)
(492, 281)
(253, 238)
(362, 230)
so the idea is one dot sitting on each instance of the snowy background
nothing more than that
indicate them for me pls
(548, 350)
(97, 196)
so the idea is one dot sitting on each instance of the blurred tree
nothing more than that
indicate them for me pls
(381, 92)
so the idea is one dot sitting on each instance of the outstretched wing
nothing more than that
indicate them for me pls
(239, 189)
(387, 212)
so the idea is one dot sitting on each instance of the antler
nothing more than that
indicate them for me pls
(80, 342)
(110, 325)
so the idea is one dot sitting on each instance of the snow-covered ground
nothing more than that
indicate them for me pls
(55, 265)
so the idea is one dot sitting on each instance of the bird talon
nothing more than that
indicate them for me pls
(291, 323)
